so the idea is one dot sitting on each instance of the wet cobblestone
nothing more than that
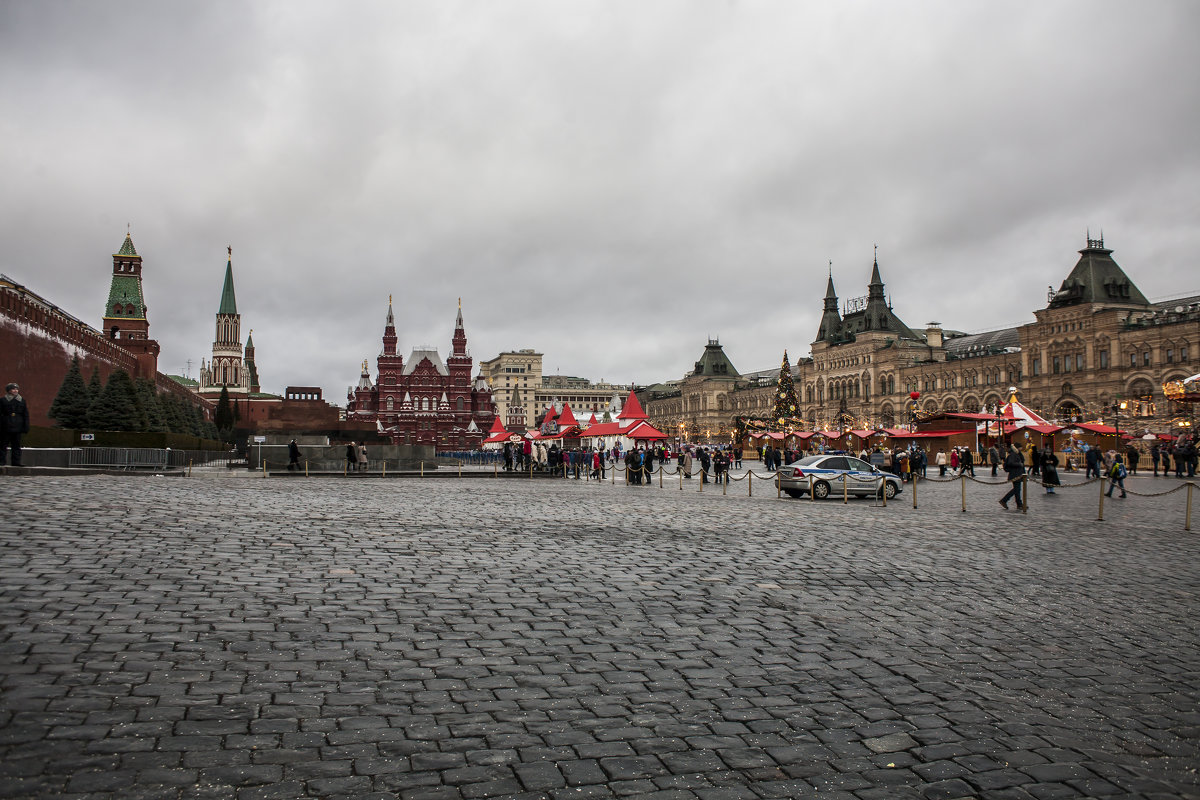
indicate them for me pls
(550, 639)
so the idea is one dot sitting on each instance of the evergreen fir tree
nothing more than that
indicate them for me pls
(224, 415)
(151, 406)
(170, 407)
(787, 406)
(209, 430)
(70, 406)
(116, 409)
(196, 421)
(95, 388)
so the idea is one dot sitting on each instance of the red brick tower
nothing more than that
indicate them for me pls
(389, 364)
(125, 315)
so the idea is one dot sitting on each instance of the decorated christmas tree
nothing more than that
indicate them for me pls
(787, 406)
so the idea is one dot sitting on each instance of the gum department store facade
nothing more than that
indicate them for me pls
(1097, 343)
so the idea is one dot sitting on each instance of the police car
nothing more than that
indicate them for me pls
(834, 474)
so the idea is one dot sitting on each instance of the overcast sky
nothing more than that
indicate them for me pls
(610, 183)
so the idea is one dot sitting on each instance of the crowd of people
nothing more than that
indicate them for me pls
(639, 462)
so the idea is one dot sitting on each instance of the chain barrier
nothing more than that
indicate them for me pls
(881, 479)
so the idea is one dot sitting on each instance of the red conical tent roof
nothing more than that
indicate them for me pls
(497, 427)
(566, 418)
(550, 415)
(1022, 414)
(592, 421)
(632, 410)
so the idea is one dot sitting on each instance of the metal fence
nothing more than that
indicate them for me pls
(148, 458)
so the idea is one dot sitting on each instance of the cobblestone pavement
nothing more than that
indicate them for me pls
(430, 640)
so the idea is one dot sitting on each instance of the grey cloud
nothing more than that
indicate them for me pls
(610, 183)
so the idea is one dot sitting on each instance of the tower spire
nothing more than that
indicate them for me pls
(459, 342)
(228, 297)
(389, 331)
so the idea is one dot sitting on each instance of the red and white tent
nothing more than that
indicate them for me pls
(1016, 415)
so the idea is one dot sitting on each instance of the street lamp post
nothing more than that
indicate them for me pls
(1117, 421)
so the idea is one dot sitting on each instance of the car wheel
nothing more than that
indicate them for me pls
(821, 490)
(793, 492)
(889, 489)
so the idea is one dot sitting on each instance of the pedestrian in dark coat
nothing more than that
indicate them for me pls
(1014, 468)
(293, 455)
(14, 423)
(1050, 470)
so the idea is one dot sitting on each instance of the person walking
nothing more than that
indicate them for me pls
(14, 423)
(1116, 475)
(1014, 468)
(1050, 477)
(1132, 457)
(351, 456)
(363, 463)
(687, 464)
(967, 462)
(941, 462)
(293, 456)
(994, 458)
(1154, 458)
(1092, 459)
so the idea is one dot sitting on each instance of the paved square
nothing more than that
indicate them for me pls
(194, 638)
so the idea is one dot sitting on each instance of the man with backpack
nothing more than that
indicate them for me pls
(1116, 474)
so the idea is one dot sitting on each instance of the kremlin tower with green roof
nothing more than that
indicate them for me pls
(230, 367)
(125, 319)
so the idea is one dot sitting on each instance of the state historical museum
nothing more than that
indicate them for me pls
(424, 400)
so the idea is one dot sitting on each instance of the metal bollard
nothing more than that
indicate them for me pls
(750, 483)
(1187, 520)
(1024, 494)
(1101, 517)
(306, 467)
(914, 483)
(845, 489)
(883, 489)
(189, 468)
(962, 479)
(679, 472)
(385, 468)
(422, 469)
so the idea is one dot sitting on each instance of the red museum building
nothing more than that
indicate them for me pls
(424, 400)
